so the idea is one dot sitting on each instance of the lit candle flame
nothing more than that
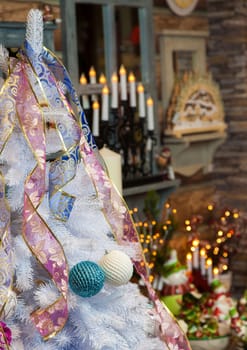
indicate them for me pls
(105, 90)
(131, 77)
(102, 79)
(114, 77)
(92, 72)
(215, 271)
(150, 101)
(209, 262)
(189, 256)
(140, 89)
(83, 79)
(203, 252)
(122, 70)
(96, 105)
(195, 242)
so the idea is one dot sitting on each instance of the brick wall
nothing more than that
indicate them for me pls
(227, 58)
(16, 11)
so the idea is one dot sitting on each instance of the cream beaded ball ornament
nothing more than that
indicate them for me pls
(117, 267)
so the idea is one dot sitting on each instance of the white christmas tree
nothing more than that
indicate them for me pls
(68, 244)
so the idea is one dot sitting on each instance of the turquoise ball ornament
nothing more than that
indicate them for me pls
(86, 279)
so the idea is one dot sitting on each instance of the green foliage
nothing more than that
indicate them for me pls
(151, 205)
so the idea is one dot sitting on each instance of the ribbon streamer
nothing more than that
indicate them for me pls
(115, 209)
(63, 168)
(17, 95)
(119, 218)
(61, 74)
(6, 252)
(7, 115)
(5, 336)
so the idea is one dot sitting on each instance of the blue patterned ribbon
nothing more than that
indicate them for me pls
(61, 74)
(63, 168)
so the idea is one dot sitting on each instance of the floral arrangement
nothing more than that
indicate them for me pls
(210, 315)
(242, 309)
(195, 290)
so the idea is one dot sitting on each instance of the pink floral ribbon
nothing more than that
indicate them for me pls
(7, 116)
(39, 238)
(36, 233)
(17, 96)
(5, 336)
(119, 218)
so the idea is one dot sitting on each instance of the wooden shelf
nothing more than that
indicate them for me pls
(159, 186)
(191, 153)
(135, 196)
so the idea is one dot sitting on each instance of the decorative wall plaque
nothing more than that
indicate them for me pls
(195, 106)
(182, 7)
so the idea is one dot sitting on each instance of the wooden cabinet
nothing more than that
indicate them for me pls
(12, 34)
(119, 32)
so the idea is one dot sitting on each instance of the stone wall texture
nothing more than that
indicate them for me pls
(227, 58)
(226, 22)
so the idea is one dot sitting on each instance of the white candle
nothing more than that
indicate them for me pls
(114, 166)
(149, 145)
(189, 261)
(123, 83)
(92, 76)
(105, 104)
(209, 264)
(114, 91)
(132, 89)
(95, 126)
(203, 261)
(141, 101)
(195, 250)
(150, 114)
(92, 79)
(155, 283)
(216, 273)
(85, 99)
(160, 284)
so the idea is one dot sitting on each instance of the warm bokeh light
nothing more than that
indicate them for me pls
(216, 251)
(195, 242)
(210, 207)
(209, 262)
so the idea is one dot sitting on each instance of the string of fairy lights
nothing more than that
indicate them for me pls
(212, 257)
(154, 236)
(211, 240)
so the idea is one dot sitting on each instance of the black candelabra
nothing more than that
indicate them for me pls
(125, 132)
(123, 128)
